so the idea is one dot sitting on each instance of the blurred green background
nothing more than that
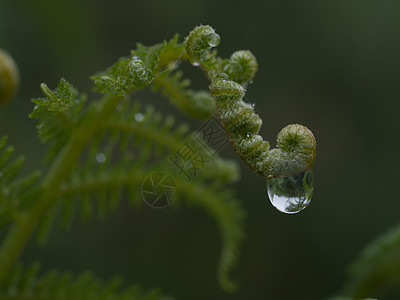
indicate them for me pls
(333, 66)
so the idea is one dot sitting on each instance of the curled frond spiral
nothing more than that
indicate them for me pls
(140, 75)
(241, 67)
(199, 41)
(296, 143)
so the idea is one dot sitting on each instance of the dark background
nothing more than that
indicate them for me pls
(330, 65)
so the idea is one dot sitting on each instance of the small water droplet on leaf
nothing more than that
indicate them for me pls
(213, 39)
(101, 158)
(139, 117)
(291, 194)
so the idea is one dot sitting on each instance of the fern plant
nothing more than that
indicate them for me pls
(101, 150)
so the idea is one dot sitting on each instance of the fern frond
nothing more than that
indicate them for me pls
(53, 285)
(107, 149)
(58, 114)
(223, 170)
(377, 267)
(156, 63)
(125, 142)
(198, 104)
(226, 210)
(13, 190)
(162, 56)
(137, 71)
(219, 203)
(132, 141)
(128, 146)
(149, 54)
(125, 76)
(145, 125)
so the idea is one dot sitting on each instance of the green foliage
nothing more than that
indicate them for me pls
(101, 150)
(28, 284)
(13, 192)
(377, 268)
(123, 77)
(156, 64)
(56, 101)
(105, 149)
(58, 114)
(297, 145)
(199, 105)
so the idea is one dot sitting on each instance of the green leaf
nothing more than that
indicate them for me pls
(58, 113)
(377, 268)
(28, 284)
(138, 71)
(58, 100)
(13, 189)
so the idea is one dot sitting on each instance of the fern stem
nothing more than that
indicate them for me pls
(6, 202)
(66, 161)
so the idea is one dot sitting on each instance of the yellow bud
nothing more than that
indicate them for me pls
(9, 77)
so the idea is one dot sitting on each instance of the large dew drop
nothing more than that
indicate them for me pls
(213, 39)
(291, 194)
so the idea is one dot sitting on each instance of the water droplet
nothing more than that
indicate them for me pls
(248, 134)
(213, 39)
(101, 157)
(291, 194)
(195, 64)
(139, 117)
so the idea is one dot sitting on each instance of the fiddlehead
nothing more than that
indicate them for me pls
(126, 75)
(241, 67)
(140, 75)
(287, 169)
(156, 65)
(198, 42)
